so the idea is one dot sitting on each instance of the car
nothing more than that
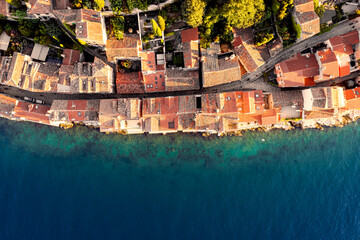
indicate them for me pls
(29, 99)
(40, 101)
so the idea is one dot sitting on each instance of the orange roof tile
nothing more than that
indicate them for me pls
(32, 112)
(189, 35)
(154, 82)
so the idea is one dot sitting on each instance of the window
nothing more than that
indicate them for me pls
(171, 125)
(155, 78)
(155, 82)
(256, 95)
(163, 84)
(239, 96)
(160, 76)
(79, 114)
(156, 87)
(257, 108)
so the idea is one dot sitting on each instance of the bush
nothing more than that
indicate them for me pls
(156, 28)
(43, 40)
(169, 34)
(319, 9)
(161, 21)
(20, 13)
(99, 4)
(27, 27)
(263, 39)
(117, 23)
(297, 28)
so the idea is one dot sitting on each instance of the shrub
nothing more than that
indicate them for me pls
(43, 40)
(27, 27)
(20, 13)
(169, 34)
(263, 39)
(161, 21)
(117, 23)
(156, 28)
(297, 28)
(99, 4)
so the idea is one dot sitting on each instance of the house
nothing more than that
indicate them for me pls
(189, 106)
(7, 105)
(90, 25)
(249, 55)
(41, 9)
(71, 56)
(352, 98)
(86, 77)
(328, 65)
(298, 71)
(323, 98)
(219, 69)
(160, 114)
(153, 74)
(181, 79)
(306, 17)
(77, 111)
(126, 48)
(31, 112)
(4, 41)
(4, 8)
(190, 47)
(117, 115)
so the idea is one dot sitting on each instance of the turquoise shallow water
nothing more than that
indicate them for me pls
(81, 184)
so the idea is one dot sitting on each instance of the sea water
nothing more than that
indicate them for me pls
(82, 184)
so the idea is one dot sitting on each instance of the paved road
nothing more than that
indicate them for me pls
(340, 29)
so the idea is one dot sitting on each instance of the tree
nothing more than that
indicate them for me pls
(99, 4)
(284, 10)
(43, 40)
(161, 21)
(117, 24)
(297, 28)
(27, 27)
(156, 28)
(194, 12)
(319, 9)
(243, 13)
(21, 14)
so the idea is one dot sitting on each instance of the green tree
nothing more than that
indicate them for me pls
(284, 10)
(193, 11)
(275, 6)
(99, 4)
(117, 24)
(319, 9)
(27, 27)
(156, 28)
(243, 13)
(43, 40)
(161, 21)
(261, 40)
(21, 14)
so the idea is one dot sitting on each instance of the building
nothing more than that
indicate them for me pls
(31, 112)
(40, 52)
(160, 114)
(120, 115)
(5, 9)
(41, 9)
(7, 105)
(249, 55)
(298, 71)
(77, 111)
(190, 47)
(352, 98)
(71, 56)
(4, 41)
(306, 17)
(126, 48)
(219, 68)
(90, 25)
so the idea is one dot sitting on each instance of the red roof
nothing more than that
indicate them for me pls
(189, 35)
(148, 62)
(32, 112)
(298, 71)
(71, 56)
(330, 64)
(155, 82)
(129, 82)
(351, 37)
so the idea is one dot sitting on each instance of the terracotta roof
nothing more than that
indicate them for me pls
(270, 116)
(62, 4)
(352, 97)
(71, 56)
(189, 35)
(191, 54)
(40, 6)
(7, 105)
(4, 8)
(227, 70)
(185, 79)
(75, 110)
(32, 112)
(351, 38)
(154, 82)
(148, 61)
(125, 48)
(307, 17)
(329, 64)
(129, 82)
(120, 114)
(297, 71)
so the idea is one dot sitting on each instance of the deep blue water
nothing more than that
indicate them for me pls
(81, 184)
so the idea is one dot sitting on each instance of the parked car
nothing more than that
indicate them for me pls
(33, 100)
